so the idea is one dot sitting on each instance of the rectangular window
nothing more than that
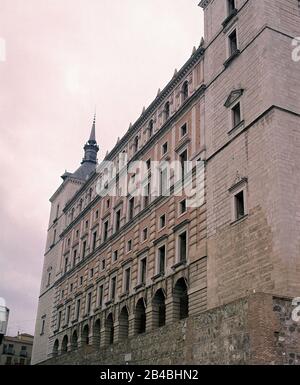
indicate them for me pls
(96, 214)
(54, 237)
(162, 221)
(68, 311)
(182, 207)
(74, 257)
(83, 249)
(89, 303)
(144, 234)
(129, 245)
(239, 205)
(77, 313)
(183, 162)
(91, 273)
(233, 46)
(103, 264)
(80, 280)
(49, 279)
(183, 130)
(94, 240)
(163, 181)
(182, 246)
(115, 256)
(117, 220)
(66, 264)
(43, 326)
(131, 209)
(146, 195)
(143, 270)
(127, 280)
(58, 320)
(161, 259)
(164, 148)
(230, 6)
(113, 286)
(236, 115)
(105, 231)
(101, 295)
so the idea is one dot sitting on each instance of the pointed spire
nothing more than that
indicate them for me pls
(91, 148)
(93, 130)
(202, 42)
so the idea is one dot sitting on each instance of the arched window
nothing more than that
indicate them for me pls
(167, 111)
(150, 129)
(74, 342)
(185, 91)
(109, 330)
(55, 348)
(123, 324)
(64, 344)
(159, 309)
(97, 328)
(140, 317)
(85, 335)
(181, 300)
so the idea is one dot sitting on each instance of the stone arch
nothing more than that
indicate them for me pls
(140, 317)
(97, 333)
(55, 348)
(64, 344)
(180, 299)
(109, 329)
(85, 335)
(123, 324)
(159, 309)
(74, 340)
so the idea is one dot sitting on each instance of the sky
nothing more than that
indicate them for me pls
(60, 60)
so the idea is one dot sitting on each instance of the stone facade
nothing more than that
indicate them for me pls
(235, 105)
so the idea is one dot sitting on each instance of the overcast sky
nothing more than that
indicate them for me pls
(63, 58)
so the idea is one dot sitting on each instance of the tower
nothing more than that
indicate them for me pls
(72, 182)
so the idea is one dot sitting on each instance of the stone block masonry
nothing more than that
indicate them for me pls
(257, 329)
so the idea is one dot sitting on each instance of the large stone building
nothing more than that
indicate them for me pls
(160, 279)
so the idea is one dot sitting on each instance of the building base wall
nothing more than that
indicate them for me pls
(257, 329)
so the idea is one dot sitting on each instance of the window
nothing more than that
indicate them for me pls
(136, 144)
(167, 111)
(91, 273)
(113, 286)
(94, 240)
(100, 296)
(86, 224)
(145, 234)
(66, 264)
(131, 209)
(88, 303)
(68, 312)
(150, 129)
(117, 220)
(129, 245)
(49, 279)
(71, 287)
(127, 280)
(103, 264)
(163, 181)
(77, 313)
(236, 115)
(107, 203)
(164, 148)
(143, 270)
(58, 320)
(162, 221)
(148, 164)
(183, 130)
(74, 257)
(97, 214)
(233, 46)
(185, 91)
(69, 242)
(230, 6)
(43, 326)
(239, 205)
(54, 237)
(83, 249)
(161, 259)
(182, 207)
(80, 280)
(182, 245)
(62, 294)
(105, 231)
(183, 163)
(115, 256)
(77, 233)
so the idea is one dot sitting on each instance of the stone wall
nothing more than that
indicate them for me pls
(257, 329)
